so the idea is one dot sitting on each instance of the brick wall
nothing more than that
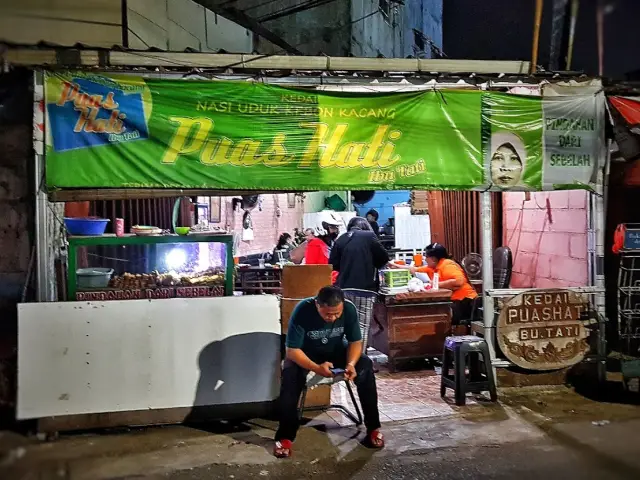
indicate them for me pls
(267, 224)
(548, 239)
(16, 154)
(16, 211)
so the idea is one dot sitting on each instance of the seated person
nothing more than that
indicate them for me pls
(372, 218)
(318, 328)
(282, 251)
(309, 234)
(451, 277)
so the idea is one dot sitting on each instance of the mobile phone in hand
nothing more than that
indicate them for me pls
(337, 371)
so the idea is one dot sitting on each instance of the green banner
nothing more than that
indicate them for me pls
(130, 132)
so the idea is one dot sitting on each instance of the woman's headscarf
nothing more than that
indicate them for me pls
(512, 140)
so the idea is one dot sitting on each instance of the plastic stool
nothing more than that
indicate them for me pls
(460, 352)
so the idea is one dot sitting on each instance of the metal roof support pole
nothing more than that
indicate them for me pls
(595, 249)
(599, 220)
(536, 36)
(487, 275)
(596, 274)
(572, 32)
(43, 292)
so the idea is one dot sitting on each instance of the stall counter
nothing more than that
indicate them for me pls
(409, 326)
(103, 364)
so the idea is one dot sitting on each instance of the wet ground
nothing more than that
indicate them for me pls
(522, 461)
(533, 433)
(402, 395)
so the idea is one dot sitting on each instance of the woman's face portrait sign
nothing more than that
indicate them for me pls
(506, 166)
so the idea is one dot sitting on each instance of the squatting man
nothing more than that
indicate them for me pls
(324, 335)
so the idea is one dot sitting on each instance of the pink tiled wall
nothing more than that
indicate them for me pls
(267, 225)
(549, 242)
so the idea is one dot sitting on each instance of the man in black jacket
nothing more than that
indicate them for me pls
(357, 256)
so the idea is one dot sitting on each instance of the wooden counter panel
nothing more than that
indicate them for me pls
(299, 282)
(417, 298)
(410, 331)
(302, 281)
(286, 309)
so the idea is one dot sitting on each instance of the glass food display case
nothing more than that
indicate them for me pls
(107, 267)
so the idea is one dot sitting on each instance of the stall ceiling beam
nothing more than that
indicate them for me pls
(512, 292)
(82, 195)
(218, 60)
(39, 57)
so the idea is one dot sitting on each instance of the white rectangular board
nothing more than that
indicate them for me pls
(96, 357)
(412, 231)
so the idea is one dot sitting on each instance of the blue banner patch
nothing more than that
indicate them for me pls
(91, 114)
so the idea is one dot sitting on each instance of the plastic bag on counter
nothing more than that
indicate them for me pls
(415, 285)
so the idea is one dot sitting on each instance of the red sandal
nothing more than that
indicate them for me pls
(375, 439)
(283, 449)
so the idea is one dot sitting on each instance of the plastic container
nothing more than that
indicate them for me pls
(85, 226)
(119, 227)
(630, 368)
(632, 236)
(145, 230)
(423, 277)
(396, 278)
(93, 277)
(335, 202)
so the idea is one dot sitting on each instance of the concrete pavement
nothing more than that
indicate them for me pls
(547, 432)
(522, 461)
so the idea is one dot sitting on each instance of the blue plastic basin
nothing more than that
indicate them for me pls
(85, 226)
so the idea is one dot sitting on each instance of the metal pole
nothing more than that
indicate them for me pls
(600, 34)
(591, 240)
(558, 20)
(125, 23)
(599, 226)
(487, 273)
(43, 292)
(536, 36)
(600, 299)
(572, 31)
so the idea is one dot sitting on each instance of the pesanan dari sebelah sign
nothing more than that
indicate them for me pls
(544, 330)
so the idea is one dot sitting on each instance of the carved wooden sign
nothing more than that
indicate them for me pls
(542, 330)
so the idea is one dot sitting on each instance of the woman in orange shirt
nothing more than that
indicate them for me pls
(452, 277)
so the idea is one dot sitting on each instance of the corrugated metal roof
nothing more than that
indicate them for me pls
(83, 56)
(44, 45)
(334, 73)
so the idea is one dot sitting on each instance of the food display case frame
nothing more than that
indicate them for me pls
(130, 239)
